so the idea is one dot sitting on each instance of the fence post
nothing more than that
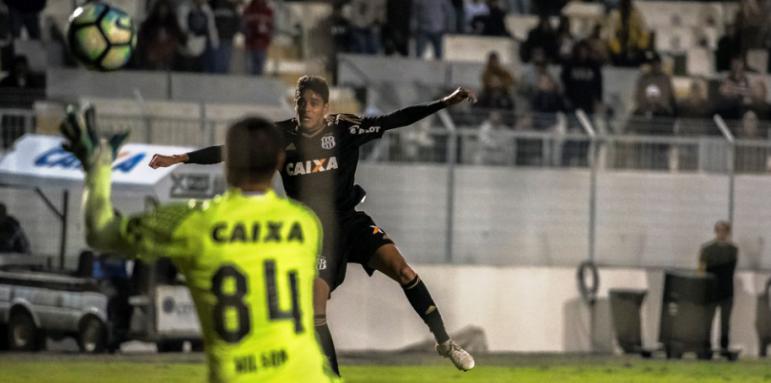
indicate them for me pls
(145, 116)
(586, 124)
(729, 137)
(452, 158)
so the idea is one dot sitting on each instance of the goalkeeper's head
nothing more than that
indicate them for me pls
(254, 150)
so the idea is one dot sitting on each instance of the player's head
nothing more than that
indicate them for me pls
(722, 230)
(254, 149)
(311, 102)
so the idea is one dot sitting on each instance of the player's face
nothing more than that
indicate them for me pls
(311, 109)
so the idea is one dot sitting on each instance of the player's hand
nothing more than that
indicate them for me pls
(459, 95)
(161, 161)
(82, 137)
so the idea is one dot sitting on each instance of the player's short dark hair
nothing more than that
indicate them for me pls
(725, 224)
(252, 149)
(314, 83)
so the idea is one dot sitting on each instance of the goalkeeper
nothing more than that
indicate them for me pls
(248, 256)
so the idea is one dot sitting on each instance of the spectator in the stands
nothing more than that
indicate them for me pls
(159, 38)
(735, 92)
(6, 39)
(196, 20)
(340, 28)
(475, 10)
(494, 148)
(366, 17)
(542, 37)
(654, 114)
(227, 19)
(497, 85)
(546, 97)
(431, 21)
(12, 237)
(258, 33)
(582, 80)
(751, 159)
(21, 77)
(728, 46)
(719, 258)
(751, 20)
(629, 36)
(598, 47)
(654, 93)
(25, 14)
(550, 7)
(696, 105)
(493, 23)
(459, 12)
(565, 40)
(396, 30)
(759, 96)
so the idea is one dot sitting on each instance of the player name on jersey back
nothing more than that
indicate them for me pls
(256, 231)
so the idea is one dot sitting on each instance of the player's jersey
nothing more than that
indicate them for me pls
(320, 168)
(249, 261)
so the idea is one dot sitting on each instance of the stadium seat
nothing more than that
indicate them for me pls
(700, 62)
(476, 48)
(674, 40)
(583, 16)
(520, 25)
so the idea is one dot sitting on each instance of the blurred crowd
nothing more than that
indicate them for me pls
(198, 35)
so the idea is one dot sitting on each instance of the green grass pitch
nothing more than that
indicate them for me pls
(189, 368)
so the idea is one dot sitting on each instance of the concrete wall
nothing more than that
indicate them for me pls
(528, 309)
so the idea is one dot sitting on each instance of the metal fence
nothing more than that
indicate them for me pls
(472, 165)
(14, 123)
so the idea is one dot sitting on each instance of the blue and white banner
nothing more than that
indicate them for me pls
(38, 160)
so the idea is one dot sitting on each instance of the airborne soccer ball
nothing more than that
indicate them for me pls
(101, 36)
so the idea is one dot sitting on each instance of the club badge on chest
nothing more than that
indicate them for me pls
(328, 142)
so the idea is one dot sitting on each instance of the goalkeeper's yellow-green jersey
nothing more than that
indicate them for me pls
(249, 261)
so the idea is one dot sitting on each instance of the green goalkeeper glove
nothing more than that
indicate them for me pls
(83, 139)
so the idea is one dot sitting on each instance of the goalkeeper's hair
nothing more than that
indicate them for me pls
(253, 149)
(314, 83)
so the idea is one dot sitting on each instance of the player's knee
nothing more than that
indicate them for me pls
(406, 274)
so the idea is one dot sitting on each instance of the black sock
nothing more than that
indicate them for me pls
(421, 301)
(325, 339)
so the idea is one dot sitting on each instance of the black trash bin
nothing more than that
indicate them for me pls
(686, 313)
(625, 307)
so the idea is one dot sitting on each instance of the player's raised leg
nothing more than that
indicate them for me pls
(320, 296)
(389, 261)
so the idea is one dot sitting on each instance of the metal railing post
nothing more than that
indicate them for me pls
(452, 157)
(586, 124)
(731, 163)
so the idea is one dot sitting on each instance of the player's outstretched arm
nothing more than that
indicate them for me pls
(96, 156)
(411, 114)
(205, 156)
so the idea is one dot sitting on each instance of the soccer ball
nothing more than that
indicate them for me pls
(101, 36)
